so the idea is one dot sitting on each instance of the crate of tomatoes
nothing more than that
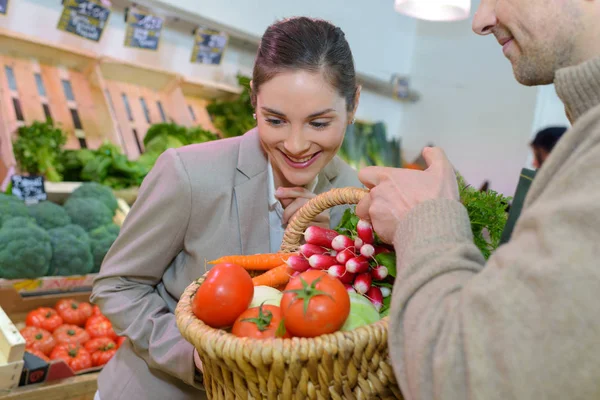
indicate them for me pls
(309, 321)
(73, 338)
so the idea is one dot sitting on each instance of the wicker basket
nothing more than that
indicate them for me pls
(341, 365)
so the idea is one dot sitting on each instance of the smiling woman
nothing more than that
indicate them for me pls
(229, 196)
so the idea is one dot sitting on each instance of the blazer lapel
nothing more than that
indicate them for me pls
(250, 192)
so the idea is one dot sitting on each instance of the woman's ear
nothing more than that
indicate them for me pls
(351, 116)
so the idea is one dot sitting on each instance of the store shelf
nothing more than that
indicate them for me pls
(207, 89)
(136, 74)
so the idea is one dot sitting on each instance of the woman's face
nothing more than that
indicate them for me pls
(301, 123)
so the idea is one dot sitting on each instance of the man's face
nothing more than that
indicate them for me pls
(537, 36)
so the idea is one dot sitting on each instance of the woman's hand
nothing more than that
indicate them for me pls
(292, 198)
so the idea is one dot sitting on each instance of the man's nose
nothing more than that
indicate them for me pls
(485, 17)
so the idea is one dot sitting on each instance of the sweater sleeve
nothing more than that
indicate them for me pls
(521, 326)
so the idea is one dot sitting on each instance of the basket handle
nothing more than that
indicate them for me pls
(315, 206)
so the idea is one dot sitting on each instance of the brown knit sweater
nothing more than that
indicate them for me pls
(526, 324)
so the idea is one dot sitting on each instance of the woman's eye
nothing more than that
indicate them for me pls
(274, 121)
(319, 125)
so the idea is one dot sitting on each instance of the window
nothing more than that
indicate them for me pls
(127, 108)
(10, 77)
(192, 113)
(76, 119)
(163, 117)
(18, 110)
(145, 108)
(68, 89)
(40, 85)
(137, 141)
(47, 111)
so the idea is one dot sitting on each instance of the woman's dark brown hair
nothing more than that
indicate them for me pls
(307, 44)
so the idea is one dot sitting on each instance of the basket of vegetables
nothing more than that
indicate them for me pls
(323, 336)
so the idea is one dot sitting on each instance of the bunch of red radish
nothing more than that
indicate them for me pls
(350, 260)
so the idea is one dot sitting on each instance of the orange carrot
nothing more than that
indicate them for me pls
(256, 262)
(275, 277)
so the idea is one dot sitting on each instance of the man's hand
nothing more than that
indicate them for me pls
(395, 191)
(295, 197)
(197, 361)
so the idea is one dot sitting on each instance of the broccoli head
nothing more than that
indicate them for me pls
(49, 215)
(71, 255)
(97, 191)
(11, 207)
(102, 239)
(73, 230)
(25, 251)
(88, 213)
(19, 222)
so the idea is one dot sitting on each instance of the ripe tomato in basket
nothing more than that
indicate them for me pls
(38, 339)
(73, 312)
(314, 303)
(44, 317)
(225, 293)
(262, 322)
(75, 355)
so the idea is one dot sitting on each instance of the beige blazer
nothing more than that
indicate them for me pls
(198, 203)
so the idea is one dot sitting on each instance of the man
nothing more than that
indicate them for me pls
(544, 142)
(526, 324)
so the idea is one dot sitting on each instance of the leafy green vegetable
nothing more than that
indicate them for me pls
(25, 250)
(38, 148)
(385, 309)
(88, 213)
(487, 213)
(11, 207)
(234, 117)
(71, 255)
(97, 191)
(49, 215)
(388, 260)
(366, 144)
(347, 224)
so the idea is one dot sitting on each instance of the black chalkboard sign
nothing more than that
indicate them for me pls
(143, 30)
(85, 18)
(3, 6)
(209, 46)
(29, 188)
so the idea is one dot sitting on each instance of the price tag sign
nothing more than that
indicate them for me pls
(3, 6)
(143, 30)
(209, 46)
(30, 189)
(84, 18)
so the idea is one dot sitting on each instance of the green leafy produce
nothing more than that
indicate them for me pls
(362, 312)
(73, 230)
(366, 144)
(487, 213)
(19, 222)
(25, 251)
(49, 215)
(88, 213)
(95, 190)
(102, 239)
(11, 207)
(71, 254)
(38, 148)
(234, 117)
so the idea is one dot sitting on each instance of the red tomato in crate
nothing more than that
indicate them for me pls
(38, 339)
(75, 355)
(96, 311)
(102, 349)
(38, 354)
(225, 293)
(263, 322)
(325, 300)
(73, 312)
(70, 334)
(121, 340)
(44, 317)
(99, 326)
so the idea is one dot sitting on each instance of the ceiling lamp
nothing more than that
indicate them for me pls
(435, 10)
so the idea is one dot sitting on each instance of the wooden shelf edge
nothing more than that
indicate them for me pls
(76, 387)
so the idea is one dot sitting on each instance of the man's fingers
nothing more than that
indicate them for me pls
(293, 193)
(435, 157)
(362, 208)
(370, 176)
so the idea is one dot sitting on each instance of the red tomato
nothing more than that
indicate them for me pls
(263, 322)
(38, 339)
(101, 349)
(38, 354)
(121, 340)
(100, 326)
(44, 317)
(75, 355)
(70, 334)
(225, 293)
(325, 299)
(96, 310)
(73, 312)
